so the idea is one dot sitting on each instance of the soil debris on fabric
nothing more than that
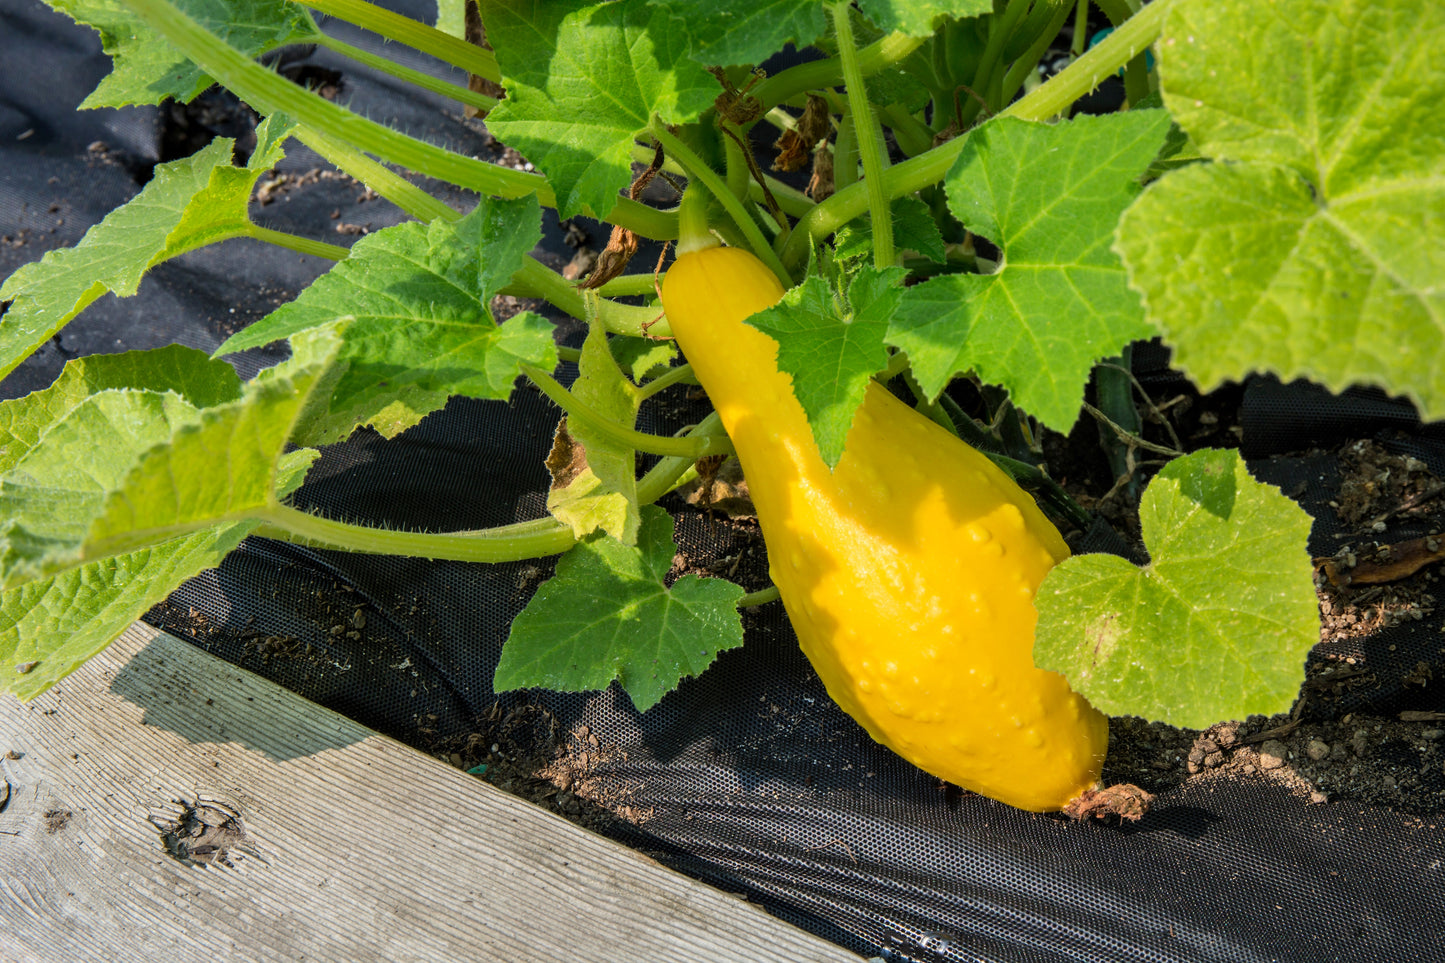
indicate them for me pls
(523, 751)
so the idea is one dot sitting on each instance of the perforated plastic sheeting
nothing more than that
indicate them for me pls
(747, 777)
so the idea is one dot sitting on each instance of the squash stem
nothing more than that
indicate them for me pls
(870, 137)
(699, 172)
(693, 233)
(692, 448)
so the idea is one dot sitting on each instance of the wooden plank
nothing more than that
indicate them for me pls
(355, 847)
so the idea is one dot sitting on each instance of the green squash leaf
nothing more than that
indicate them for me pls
(1314, 245)
(1215, 627)
(606, 497)
(746, 33)
(917, 18)
(832, 345)
(1049, 195)
(51, 626)
(419, 330)
(583, 82)
(608, 614)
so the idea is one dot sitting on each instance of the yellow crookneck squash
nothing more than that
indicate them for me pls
(908, 571)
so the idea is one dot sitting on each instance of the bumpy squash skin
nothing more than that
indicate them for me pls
(908, 571)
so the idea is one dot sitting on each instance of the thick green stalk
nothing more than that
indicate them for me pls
(270, 93)
(378, 177)
(1083, 75)
(672, 376)
(1043, 102)
(423, 80)
(870, 136)
(413, 33)
(698, 170)
(687, 447)
(913, 135)
(642, 283)
(1001, 28)
(295, 242)
(816, 74)
(1025, 65)
(760, 597)
(536, 280)
(509, 543)
(845, 155)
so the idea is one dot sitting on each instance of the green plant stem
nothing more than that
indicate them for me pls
(269, 93)
(1044, 101)
(760, 597)
(845, 155)
(1136, 72)
(1001, 28)
(1025, 65)
(739, 176)
(1130, 40)
(423, 80)
(870, 136)
(534, 279)
(681, 373)
(413, 33)
(295, 242)
(790, 199)
(697, 169)
(1081, 28)
(693, 448)
(819, 74)
(643, 283)
(507, 543)
(913, 135)
(1114, 392)
(378, 177)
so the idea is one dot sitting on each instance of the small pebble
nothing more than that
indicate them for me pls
(1431, 735)
(1318, 750)
(1272, 754)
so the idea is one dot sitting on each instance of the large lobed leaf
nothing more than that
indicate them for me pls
(115, 487)
(583, 82)
(1049, 195)
(831, 345)
(1215, 627)
(1314, 245)
(608, 614)
(419, 327)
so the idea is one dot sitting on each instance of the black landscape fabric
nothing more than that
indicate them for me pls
(747, 777)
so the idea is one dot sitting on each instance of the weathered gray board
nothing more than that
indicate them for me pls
(357, 848)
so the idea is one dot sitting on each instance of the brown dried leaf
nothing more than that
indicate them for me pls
(567, 459)
(613, 259)
(1386, 563)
